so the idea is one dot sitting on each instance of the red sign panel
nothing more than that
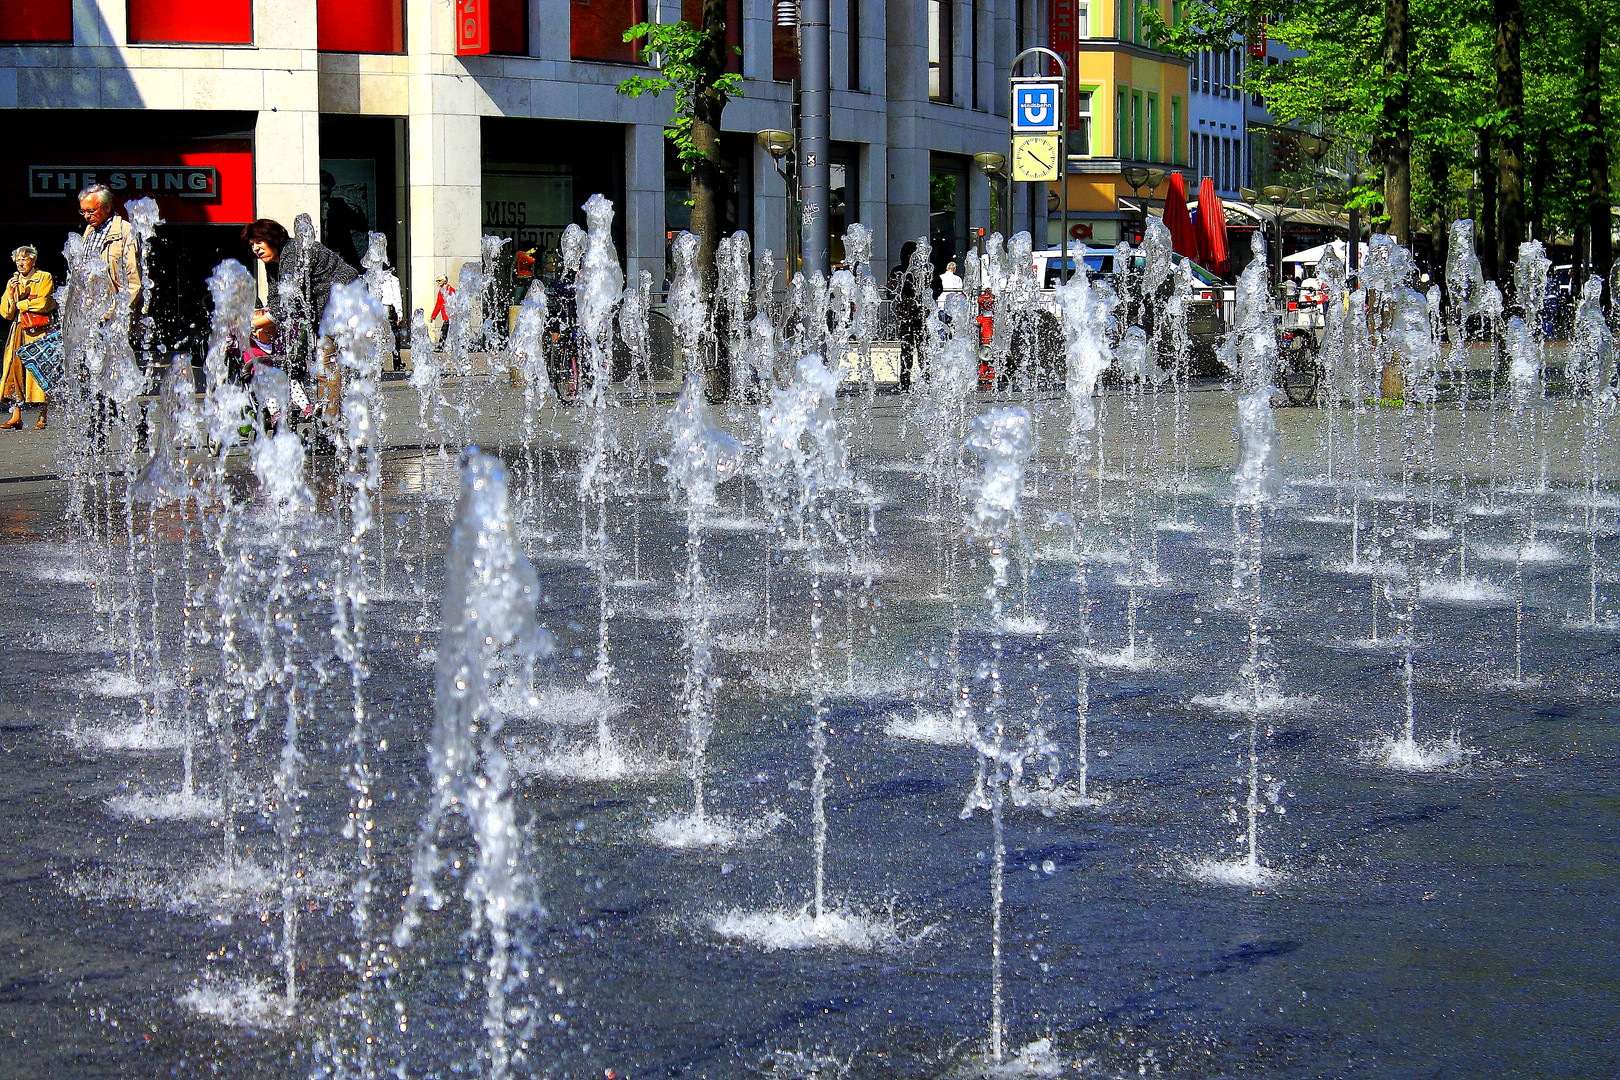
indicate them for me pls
(37, 20)
(207, 180)
(472, 27)
(368, 26)
(1064, 35)
(1257, 40)
(197, 22)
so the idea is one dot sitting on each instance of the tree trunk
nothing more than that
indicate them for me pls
(1540, 170)
(1440, 219)
(1509, 135)
(1397, 120)
(1487, 205)
(1597, 158)
(708, 104)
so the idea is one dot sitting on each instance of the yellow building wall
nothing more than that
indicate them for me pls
(1105, 72)
(1108, 70)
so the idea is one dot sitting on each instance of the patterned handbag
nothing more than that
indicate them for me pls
(43, 359)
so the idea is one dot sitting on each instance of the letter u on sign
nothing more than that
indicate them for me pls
(472, 27)
(1035, 107)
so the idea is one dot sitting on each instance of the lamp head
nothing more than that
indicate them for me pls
(992, 164)
(1136, 176)
(1155, 177)
(776, 143)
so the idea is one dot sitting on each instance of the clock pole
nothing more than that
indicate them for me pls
(1028, 122)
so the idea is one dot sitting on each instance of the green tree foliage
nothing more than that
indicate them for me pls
(1339, 86)
(693, 67)
(685, 71)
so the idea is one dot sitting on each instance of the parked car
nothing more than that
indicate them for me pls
(1207, 317)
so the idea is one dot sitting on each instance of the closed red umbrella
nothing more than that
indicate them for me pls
(1183, 237)
(1212, 227)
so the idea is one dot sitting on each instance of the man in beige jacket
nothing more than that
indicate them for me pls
(112, 237)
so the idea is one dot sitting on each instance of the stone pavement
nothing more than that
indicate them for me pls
(29, 455)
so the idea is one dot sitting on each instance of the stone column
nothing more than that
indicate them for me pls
(644, 201)
(445, 158)
(287, 134)
(906, 76)
(549, 29)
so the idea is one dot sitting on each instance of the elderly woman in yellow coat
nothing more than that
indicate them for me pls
(28, 304)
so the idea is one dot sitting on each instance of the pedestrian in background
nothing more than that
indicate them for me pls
(441, 309)
(110, 240)
(30, 307)
(907, 292)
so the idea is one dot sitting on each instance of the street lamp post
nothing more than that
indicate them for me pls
(779, 144)
(1139, 177)
(815, 134)
(1278, 196)
(994, 167)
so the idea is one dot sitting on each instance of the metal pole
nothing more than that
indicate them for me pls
(815, 171)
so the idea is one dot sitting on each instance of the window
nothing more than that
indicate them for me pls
(1122, 140)
(843, 196)
(854, 34)
(785, 40)
(365, 26)
(1138, 143)
(37, 21)
(1080, 125)
(1175, 130)
(509, 27)
(1082, 21)
(1122, 19)
(596, 29)
(692, 12)
(941, 51)
(191, 22)
(1208, 161)
(973, 48)
(1226, 164)
(1153, 127)
(1192, 153)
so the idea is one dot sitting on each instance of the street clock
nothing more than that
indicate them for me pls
(1035, 158)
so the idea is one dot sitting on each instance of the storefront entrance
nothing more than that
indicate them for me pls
(537, 175)
(198, 166)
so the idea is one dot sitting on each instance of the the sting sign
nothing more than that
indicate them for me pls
(125, 181)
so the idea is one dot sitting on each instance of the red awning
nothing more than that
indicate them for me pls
(1183, 237)
(1212, 228)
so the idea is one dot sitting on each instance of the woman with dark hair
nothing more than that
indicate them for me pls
(301, 283)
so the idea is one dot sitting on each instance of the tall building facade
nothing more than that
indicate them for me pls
(1217, 146)
(1129, 107)
(361, 114)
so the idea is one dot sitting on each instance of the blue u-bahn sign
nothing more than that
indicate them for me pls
(1035, 106)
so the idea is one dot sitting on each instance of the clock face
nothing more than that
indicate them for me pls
(1035, 158)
